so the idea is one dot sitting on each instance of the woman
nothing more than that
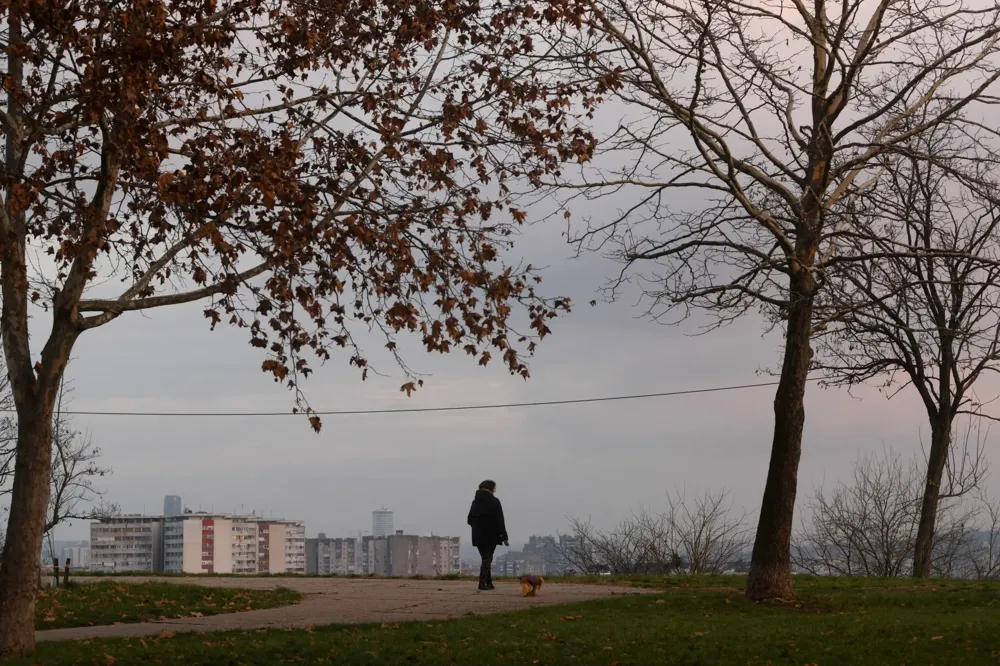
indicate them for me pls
(488, 529)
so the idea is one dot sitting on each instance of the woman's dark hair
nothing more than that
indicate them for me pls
(488, 485)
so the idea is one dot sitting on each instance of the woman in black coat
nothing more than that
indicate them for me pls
(488, 529)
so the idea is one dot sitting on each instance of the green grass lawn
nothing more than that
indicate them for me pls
(690, 621)
(82, 605)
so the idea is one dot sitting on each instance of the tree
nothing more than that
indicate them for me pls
(307, 169)
(774, 114)
(703, 536)
(8, 444)
(925, 313)
(707, 532)
(868, 527)
(984, 550)
(635, 546)
(75, 469)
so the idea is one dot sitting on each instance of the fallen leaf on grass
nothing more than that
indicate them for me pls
(661, 601)
(196, 614)
(607, 648)
(699, 634)
(390, 626)
(144, 644)
(109, 659)
(936, 638)
(570, 618)
(912, 640)
(167, 634)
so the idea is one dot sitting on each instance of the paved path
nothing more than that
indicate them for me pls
(349, 601)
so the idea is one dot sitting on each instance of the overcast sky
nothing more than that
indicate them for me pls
(595, 461)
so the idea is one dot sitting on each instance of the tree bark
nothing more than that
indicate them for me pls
(25, 528)
(936, 459)
(770, 565)
(35, 389)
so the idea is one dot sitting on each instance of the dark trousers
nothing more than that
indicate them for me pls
(486, 568)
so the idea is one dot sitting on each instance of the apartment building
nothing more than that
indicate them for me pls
(328, 556)
(515, 564)
(410, 555)
(222, 543)
(77, 556)
(127, 543)
(553, 552)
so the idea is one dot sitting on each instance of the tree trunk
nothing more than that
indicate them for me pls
(936, 459)
(770, 565)
(25, 530)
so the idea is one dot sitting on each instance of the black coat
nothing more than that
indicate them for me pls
(486, 520)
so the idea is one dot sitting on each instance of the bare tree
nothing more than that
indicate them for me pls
(868, 527)
(637, 545)
(706, 532)
(983, 550)
(8, 445)
(914, 294)
(73, 493)
(774, 114)
(703, 536)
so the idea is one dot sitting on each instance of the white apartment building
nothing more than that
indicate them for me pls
(127, 543)
(77, 556)
(222, 543)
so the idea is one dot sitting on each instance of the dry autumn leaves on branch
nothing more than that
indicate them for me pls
(302, 167)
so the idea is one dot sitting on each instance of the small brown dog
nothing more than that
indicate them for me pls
(530, 584)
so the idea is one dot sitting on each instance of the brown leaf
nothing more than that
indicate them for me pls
(167, 634)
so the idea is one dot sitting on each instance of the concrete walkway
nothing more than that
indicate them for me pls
(348, 601)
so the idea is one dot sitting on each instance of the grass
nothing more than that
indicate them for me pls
(82, 605)
(691, 620)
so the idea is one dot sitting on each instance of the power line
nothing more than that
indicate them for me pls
(456, 408)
